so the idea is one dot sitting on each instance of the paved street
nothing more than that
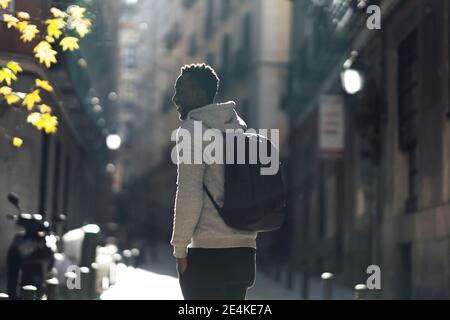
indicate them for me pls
(158, 281)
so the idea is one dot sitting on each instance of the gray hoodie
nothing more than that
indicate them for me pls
(197, 224)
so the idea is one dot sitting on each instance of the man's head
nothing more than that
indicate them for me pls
(196, 87)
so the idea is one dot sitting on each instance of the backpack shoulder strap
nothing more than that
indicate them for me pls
(212, 199)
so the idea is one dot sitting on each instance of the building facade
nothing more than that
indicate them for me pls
(384, 199)
(247, 42)
(62, 173)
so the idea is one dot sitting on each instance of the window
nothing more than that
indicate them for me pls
(408, 106)
(247, 31)
(129, 133)
(226, 9)
(210, 59)
(242, 59)
(225, 67)
(131, 57)
(130, 90)
(56, 181)
(43, 173)
(226, 46)
(173, 36)
(193, 47)
(209, 19)
(66, 187)
(188, 3)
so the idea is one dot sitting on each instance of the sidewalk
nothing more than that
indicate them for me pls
(157, 280)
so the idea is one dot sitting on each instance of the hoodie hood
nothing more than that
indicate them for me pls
(220, 116)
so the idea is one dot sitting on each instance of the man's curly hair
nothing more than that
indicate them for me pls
(204, 77)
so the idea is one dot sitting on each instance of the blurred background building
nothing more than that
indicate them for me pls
(62, 173)
(247, 42)
(382, 195)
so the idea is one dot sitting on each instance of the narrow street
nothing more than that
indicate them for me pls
(157, 280)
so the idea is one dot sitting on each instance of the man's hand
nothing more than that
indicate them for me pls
(182, 264)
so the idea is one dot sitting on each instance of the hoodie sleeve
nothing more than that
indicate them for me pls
(189, 194)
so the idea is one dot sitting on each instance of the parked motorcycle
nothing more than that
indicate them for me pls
(30, 257)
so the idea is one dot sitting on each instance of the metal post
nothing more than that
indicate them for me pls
(3, 297)
(360, 292)
(29, 293)
(85, 278)
(70, 293)
(327, 285)
(113, 270)
(52, 288)
(135, 253)
(126, 254)
(93, 287)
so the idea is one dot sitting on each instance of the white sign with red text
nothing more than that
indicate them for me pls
(331, 126)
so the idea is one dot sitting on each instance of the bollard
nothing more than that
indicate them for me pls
(69, 292)
(85, 279)
(113, 269)
(93, 282)
(327, 285)
(29, 293)
(52, 288)
(90, 242)
(360, 292)
(135, 253)
(3, 297)
(126, 254)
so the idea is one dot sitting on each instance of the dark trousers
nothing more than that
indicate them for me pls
(218, 274)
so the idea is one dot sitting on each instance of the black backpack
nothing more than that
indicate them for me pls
(252, 201)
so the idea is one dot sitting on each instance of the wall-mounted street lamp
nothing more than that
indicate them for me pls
(352, 81)
(351, 78)
(113, 141)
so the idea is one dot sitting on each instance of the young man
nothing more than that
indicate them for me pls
(214, 261)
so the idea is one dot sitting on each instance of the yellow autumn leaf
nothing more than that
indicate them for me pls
(22, 25)
(81, 26)
(69, 43)
(58, 13)
(10, 20)
(49, 39)
(45, 108)
(4, 3)
(31, 99)
(45, 53)
(14, 67)
(57, 23)
(76, 11)
(23, 15)
(54, 27)
(17, 142)
(12, 99)
(29, 33)
(5, 90)
(44, 85)
(34, 117)
(7, 76)
(54, 32)
(43, 121)
(49, 123)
